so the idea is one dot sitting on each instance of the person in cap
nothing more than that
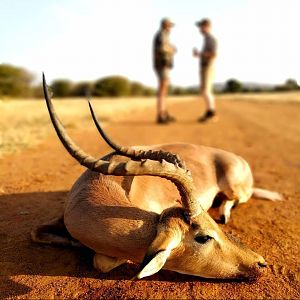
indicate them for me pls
(163, 52)
(207, 58)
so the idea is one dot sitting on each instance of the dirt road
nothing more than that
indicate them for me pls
(34, 183)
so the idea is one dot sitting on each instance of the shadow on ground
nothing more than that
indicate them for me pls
(20, 256)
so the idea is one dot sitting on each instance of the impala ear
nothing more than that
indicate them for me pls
(159, 251)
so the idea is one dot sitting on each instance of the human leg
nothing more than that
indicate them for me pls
(163, 117)
(163, 85)
(206, 91)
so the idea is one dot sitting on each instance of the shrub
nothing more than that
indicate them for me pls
(233, 86)
(149, 91)
(81, 89)
(113, 86)
(289, 85)
(137, 89)
(14, 81)
(61, 88)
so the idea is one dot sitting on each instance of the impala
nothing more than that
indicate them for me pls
(148, 205)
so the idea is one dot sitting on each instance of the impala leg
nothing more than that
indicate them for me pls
(225, 209)
(105, 263)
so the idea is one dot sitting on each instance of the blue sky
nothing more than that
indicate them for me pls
(88, 39)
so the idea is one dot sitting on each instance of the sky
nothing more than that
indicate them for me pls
(258, 40)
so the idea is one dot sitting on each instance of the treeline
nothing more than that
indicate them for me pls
(235, 86)
(18, 82)
(112, 86)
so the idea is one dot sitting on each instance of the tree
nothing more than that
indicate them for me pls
(81, 89)
(61, 88)
(233, 86)
(37, 91)
(291, 84)
(148, 91)
(112, 86)
(14, 81)
(137, 89)
(177, 90)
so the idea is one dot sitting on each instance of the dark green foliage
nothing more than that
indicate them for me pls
(113, 86)
(14, 81)
(61, 88)
(233, 86)
(178, 91)
(137, 89)
(17, 82)
(289, 85)
(37, 91)
(149, 91)
(181, 91)
(82, 89)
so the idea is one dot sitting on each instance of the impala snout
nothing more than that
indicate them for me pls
(253, 272)
(250, 264)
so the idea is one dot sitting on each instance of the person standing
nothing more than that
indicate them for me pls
(207, 59)
(163, 53)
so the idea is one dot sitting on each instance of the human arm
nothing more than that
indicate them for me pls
(207, 54)
(166, 47)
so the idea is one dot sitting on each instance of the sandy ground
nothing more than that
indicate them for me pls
(34, 184)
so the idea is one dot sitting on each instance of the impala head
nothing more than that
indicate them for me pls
(198, 247)
(188, 240)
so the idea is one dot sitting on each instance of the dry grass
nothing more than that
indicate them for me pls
(265, 97)
(24, 123)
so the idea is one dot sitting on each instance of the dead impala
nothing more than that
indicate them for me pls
(142, 204)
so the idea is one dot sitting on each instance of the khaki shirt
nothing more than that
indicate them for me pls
(163, 51)
(210, 45)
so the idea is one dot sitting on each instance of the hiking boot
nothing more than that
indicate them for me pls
(210, 115)
(170, 118)
(165, 119)
(162, 120)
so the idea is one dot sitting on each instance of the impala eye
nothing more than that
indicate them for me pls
(202, 239)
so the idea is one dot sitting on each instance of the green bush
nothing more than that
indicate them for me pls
(289, 85)
(149, 92)
(81, 89)
(177, 90)
(233, 86)
(113, 86)
(137, 89)
(61, 88)
(14, 81)
(37, 91)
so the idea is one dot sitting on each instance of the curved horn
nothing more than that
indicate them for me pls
(180, 177)
(137, 154)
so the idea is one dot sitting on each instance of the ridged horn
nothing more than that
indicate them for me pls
(180, 177)
(136, 154)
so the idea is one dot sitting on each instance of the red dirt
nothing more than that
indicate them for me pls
(34, 184)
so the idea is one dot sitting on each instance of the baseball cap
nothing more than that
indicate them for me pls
(203, 22)
(166, 21)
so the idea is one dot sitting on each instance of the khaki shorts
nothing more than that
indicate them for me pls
(162, 73)
(207, 78)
